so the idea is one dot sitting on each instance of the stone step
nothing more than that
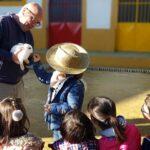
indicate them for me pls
(114, 59)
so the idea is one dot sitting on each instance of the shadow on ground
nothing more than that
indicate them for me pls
(128, 90)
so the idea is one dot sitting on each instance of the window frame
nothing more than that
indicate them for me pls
(12, 3)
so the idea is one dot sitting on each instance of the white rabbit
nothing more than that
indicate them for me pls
(24, 50)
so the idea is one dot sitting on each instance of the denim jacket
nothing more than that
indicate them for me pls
(69, 95)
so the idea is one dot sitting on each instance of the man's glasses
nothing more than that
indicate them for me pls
(37, 23)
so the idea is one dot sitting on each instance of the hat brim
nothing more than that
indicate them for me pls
(50, 55)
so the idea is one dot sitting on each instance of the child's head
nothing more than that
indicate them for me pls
(68, 58)
(145, 109)
(14, 121)
(77, 127)
(102, 112)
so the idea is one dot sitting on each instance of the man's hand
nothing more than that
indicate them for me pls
(15, 58)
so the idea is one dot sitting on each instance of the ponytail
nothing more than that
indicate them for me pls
(119, 128)
(103, 113)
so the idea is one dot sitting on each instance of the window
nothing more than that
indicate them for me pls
(8, 0)
(65, 10)
(134, 11)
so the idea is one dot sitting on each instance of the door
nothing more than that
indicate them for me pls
(133, 28)
(64, 21)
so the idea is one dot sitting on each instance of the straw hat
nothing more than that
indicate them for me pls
(68, 58)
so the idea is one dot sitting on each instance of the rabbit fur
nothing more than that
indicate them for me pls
(24, 50)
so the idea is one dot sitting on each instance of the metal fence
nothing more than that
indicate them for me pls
(134, 11)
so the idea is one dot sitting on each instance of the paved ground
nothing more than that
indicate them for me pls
(127, 89)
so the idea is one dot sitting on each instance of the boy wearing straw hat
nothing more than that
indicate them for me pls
(66, 90)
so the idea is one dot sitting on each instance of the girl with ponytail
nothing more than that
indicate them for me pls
(116, 133)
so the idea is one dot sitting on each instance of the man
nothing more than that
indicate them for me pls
(14, 29)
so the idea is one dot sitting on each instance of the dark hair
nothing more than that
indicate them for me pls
(102, 111)
(8, 127)
(77, 127)
(76, 76)
(79, 76)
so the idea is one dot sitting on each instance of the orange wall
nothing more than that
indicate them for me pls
(99, 39)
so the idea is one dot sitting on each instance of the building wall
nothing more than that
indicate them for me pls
(40, 34)
(101, 35)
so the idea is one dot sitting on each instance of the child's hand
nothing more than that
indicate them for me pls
(36, 57)
(47, 108)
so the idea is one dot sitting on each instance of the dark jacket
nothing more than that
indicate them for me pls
(69, 95)
(10, 35)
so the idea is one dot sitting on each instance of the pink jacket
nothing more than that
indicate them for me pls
(133, 141)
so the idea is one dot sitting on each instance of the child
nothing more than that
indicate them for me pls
(77, 131)
(145, 109)
(116, 133)
(66, 90)
(14, 125)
